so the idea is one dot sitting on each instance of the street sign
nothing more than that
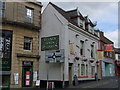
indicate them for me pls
(54, 56)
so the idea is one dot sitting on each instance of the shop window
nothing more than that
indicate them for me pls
(27, 43)
(110, 54)
(86, 70)
(78, 69)
(29, 15)
(93, 70)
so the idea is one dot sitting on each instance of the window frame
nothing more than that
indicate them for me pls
(92, 51)
(31, 16)
(82, 47)
(31, 44)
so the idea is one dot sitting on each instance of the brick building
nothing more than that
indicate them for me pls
(21, 22)
(106, 58)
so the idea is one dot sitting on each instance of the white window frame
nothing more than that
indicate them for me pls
(29, 15)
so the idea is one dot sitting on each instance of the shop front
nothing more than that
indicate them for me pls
(117, 69)
(5, 58)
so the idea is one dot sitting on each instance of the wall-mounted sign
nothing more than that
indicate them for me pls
(54, 56)
(5, 64)
(72, 51)
(38, 83)
(108, 47)
(50, 43)
(5, 50)
(35, 76)
(16, 76)
(27, 63)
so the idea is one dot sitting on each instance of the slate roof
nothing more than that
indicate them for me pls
(103, 38)
(69, 15)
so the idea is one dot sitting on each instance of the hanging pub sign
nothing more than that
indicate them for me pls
(109, 47)
(50, 43)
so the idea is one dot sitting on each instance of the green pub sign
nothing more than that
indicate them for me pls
(50, 43)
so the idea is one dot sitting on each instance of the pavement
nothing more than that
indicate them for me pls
(111, 82)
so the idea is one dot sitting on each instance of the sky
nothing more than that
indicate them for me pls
(105, 13)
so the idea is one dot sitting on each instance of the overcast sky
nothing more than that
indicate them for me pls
(105, 13)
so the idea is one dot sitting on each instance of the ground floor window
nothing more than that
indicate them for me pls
(86, 70)
(93, 70)
(82, 69)
(78, 69)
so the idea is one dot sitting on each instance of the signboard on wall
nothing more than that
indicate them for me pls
(72, 48)
(16, 78)
(5, 64)
(108, 47)
(5, 50)
(54, 56)
(50, 43)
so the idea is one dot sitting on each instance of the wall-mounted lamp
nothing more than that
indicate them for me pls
(86, 39)
(76, 35)
(93, 42)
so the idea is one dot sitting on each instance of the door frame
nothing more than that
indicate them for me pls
(23, 74)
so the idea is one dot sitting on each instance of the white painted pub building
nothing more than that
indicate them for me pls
(68, 47)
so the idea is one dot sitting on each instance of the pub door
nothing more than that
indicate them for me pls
(27, 76)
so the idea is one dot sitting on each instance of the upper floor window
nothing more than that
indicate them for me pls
(92, 50)
(27, 43)
(29, 15)
(2, 9)
(111, 54)
(82, 48)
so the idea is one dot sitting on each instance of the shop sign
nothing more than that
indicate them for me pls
(54, 56)
(108, 47)
(5, 64)
(27, 63)
(50, 43)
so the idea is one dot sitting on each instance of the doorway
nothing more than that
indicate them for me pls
(70, 73)
(27, 75)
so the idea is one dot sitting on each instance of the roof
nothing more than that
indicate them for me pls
(88, 21)
(103, 38)
(69, 15)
